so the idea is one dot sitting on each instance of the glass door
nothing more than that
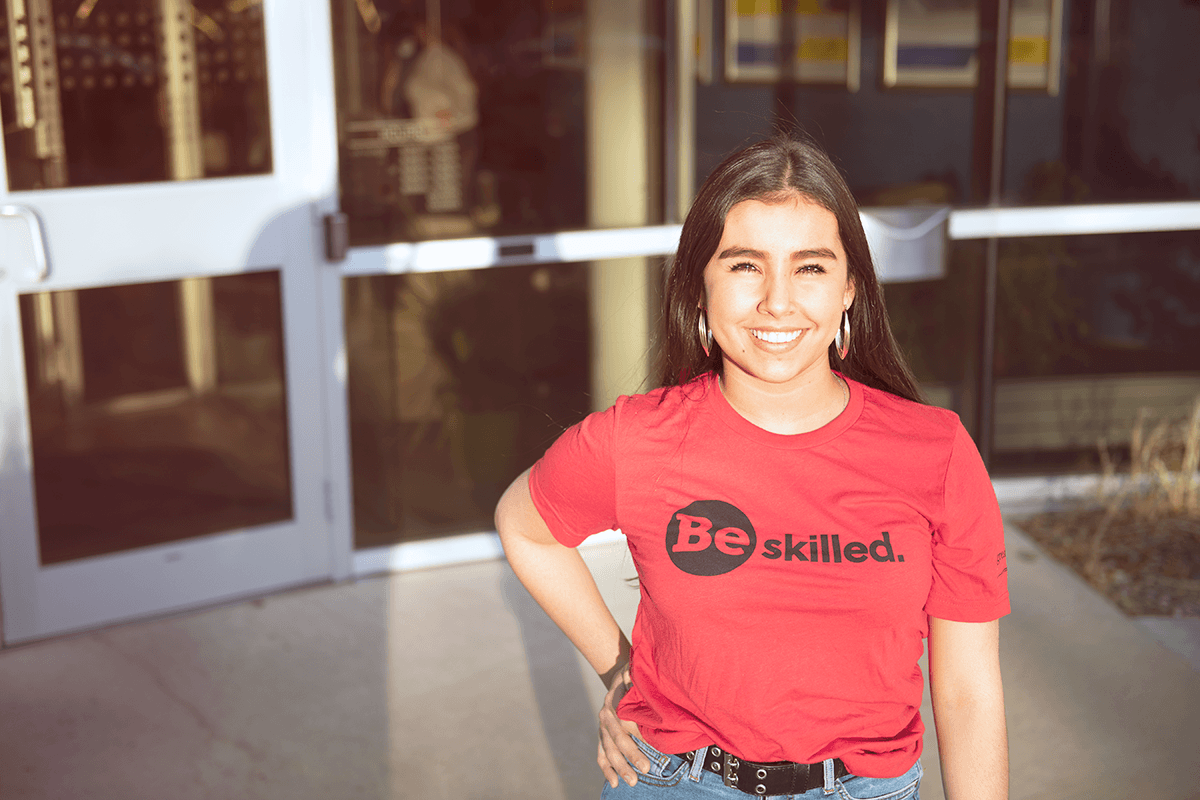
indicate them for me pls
(167, 164)
(501, 175)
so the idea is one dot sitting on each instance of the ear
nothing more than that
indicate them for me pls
(849, 294)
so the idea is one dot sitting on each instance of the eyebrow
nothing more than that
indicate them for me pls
(799, 255)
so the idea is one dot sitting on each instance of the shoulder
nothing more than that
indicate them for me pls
(917, 419)
(663, 404)
(914, 437)
(922, 445)
(631, 430)
(636, 416)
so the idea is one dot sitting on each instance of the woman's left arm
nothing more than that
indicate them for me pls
(968, 708)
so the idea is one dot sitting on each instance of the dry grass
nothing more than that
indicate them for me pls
(1138, 541)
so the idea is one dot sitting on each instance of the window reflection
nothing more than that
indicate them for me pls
(458, 381)
(460, 117)
(936, 324)
(1102, 104)
(96, 92)
(1123, 126)
(1090, 330)
(895, 145)
(936, 44)
(158, 412)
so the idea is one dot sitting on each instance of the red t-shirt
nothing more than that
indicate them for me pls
(785, 580)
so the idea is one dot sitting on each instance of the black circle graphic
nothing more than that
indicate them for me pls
(709, 537)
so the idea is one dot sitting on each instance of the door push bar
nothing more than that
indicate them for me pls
(37, 237)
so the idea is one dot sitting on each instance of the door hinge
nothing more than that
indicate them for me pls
(337, 237)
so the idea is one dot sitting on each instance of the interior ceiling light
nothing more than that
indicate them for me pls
(85, 10)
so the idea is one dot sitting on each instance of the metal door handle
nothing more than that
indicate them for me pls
(36, 235)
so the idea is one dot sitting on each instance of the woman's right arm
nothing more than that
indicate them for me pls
(563, 586)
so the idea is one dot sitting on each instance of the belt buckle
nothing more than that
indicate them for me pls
(731, 763)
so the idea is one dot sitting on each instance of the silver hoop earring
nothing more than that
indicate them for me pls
(841, 342)
(706, 337)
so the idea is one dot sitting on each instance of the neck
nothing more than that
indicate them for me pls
(796, 407)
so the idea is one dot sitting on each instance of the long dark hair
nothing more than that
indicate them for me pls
(769, 171)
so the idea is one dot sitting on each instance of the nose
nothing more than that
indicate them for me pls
(777, 293)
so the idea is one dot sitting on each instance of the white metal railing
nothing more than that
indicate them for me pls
(1004, 223)
(661, 240)
(566, 246)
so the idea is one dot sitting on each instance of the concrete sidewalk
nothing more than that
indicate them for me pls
(1097, 707)
(451, 683)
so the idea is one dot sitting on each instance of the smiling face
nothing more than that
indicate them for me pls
(774, 292)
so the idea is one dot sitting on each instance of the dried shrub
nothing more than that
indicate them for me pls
(1138, 541)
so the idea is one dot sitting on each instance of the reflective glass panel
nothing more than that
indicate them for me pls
(895, 144)
(936, 44)
(1102, 101)
(458, 382)
(936, 324)
(158, 412)
(1090, 331)
(97, 92)
(1123, 125)
(474, 117)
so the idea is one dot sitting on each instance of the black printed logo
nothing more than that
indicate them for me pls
(709, 537)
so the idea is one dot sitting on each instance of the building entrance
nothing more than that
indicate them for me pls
(161, 384)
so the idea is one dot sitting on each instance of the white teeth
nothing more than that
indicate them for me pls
(776, 337)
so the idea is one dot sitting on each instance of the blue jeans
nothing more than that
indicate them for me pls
(672, 778)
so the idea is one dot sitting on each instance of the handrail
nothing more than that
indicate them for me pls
(1078, 220)
(37, 236)
(661, 240)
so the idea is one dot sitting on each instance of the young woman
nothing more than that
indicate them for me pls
(800, 522)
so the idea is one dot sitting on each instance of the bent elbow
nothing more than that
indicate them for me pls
(502, 517)
(513, 509)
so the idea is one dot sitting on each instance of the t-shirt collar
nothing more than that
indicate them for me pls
(714, 400)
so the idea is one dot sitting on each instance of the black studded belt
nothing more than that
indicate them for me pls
(766, 778)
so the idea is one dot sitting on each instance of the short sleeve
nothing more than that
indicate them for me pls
(970, 573)
(574, 485)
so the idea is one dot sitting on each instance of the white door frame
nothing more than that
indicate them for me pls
(167, 231)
